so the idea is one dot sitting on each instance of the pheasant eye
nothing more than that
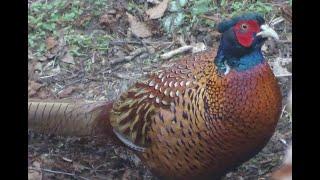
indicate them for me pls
(244, 26)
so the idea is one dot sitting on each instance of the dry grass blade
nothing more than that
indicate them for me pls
(60, 172)
(130, 57)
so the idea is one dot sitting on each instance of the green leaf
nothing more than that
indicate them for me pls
(31, 20)
(201, 7)
(210, 23)
(174, 6)
(179, 19)
(30, 42)
(49, 27)
(42, 47)
(183, 2)
(173, 21)
(69, 16)
(54, 17)
(167, 22)
(199, 10)
(223, 3)
(49, 6)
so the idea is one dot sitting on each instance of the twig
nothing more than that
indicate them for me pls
(122, 42)
(122, 76)
(141, 42)
(167, 47)
(284, 41)
(275, 4)
(58, 172)
(153, 1)
(212, 18)
(130, 57)
(156, 42)
(74, 82)
(49, 76)
(170, 54)
(93, 57)
(140, 39)
(283, 110)
(283, 75)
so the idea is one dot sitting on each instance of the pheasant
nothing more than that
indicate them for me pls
(199, 117)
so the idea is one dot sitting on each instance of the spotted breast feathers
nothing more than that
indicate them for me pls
(162, 89)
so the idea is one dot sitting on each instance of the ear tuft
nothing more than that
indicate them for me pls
(227, 24)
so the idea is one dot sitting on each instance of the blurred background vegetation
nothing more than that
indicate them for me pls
(78, 21)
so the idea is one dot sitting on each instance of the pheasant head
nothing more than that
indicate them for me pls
(241, 42)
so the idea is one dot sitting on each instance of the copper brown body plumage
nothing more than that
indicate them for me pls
(197, 117)
(194, 123)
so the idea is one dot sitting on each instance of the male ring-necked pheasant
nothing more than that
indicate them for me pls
(198, 118)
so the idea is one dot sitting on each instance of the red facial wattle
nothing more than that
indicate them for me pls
(245, 36)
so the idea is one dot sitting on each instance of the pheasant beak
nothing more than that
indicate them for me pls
(267, 31)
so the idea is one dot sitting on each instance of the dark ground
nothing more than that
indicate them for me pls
(57, 73)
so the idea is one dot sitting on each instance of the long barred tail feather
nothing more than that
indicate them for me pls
(70, 118)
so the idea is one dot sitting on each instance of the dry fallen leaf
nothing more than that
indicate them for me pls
(158, 11)
(138, 28)
(130, 174)
(107, 20)
(34, 70)
(66, 92)
(44, 93)
(33, 88)
(83, 19)
(51, 43)
(35, 174)
(68, 58)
